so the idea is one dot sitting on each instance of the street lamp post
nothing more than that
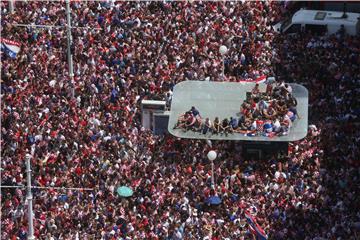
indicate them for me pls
(29, 198)
(69, 43)
(223, 51)
(11, 6)
(212, 156)
(69, 39)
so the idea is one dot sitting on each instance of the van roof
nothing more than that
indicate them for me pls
(324, 17)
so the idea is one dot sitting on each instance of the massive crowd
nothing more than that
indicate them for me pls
(88, 133)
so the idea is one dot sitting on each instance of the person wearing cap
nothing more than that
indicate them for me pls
(233, 124)
(207, 126)
(216, 125)
(255, 91)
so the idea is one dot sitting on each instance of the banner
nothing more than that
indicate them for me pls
(10, 47)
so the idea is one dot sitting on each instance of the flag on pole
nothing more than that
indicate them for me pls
(10, 47)
(255, 228)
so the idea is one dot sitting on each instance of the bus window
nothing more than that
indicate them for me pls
(316, 29)
(285, 24)
(295, 28)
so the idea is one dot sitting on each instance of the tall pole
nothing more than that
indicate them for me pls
(223, 50)
(212, 175)
(69, 42)
(11, 6)
(212, 156)
(29, 198)
(344, 9)
(223, 68)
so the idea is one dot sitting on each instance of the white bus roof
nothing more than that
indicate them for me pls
(324, 17)
(153, 102)
(223, 100)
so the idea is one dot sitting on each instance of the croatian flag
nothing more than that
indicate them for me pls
(255, 228)
(10, 47)
(259, 125)
(260, 79)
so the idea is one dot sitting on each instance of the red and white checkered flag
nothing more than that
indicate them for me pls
(122, 212)
(260, 125)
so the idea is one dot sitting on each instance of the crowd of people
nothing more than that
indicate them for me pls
(86, 133)
(270, 113)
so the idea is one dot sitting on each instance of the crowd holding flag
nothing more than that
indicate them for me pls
(10, 47)
(255, 228)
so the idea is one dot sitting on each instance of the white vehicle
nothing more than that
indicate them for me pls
(321, 22)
